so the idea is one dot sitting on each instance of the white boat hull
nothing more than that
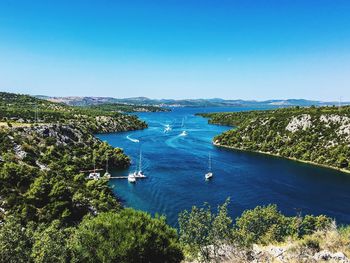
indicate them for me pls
(208, 176)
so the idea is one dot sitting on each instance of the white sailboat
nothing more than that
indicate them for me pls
(107, 174)
(140, 173)
(184, 133)
(209, 174)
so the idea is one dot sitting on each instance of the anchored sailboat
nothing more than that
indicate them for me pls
(140, 173)
(107, 174)
(184, 133)
(209, 174)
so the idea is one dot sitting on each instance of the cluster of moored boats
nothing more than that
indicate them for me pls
(96, 175)
(137, 174)
(132, 177)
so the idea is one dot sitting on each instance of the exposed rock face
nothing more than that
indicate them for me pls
(302, 122)
(341, 124)
(325, 255)
(63, 134)
(60, 135)
(19, 152)
(277, 254)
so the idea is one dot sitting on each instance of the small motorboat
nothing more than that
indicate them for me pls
(184, 133)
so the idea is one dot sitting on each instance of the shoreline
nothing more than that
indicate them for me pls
(280, 156)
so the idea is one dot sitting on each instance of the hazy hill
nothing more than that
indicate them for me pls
(215, 102)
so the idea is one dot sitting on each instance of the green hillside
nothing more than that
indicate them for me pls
(43, 148)
(15, 108)
(317, 134)
(49, 210)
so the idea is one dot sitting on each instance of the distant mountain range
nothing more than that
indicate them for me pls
(215, 102)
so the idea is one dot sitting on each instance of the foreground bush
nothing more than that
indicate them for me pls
(128, 236)
(266, 225)
(204, 232)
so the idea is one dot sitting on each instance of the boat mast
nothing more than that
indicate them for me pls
(209, 162)
(140, 161)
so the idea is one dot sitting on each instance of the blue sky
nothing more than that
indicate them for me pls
(243, 49)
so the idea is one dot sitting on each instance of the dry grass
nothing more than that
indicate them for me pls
(15, 124)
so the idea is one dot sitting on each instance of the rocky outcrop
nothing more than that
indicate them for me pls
(276, 254)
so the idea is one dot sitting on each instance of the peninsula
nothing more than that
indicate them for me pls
(318, 135)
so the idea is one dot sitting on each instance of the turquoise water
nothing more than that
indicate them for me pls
(176, 165)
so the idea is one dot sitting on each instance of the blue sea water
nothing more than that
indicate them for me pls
(176, 165)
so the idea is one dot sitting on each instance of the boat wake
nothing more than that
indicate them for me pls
(132, 139)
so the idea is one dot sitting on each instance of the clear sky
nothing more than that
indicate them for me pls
(245, 49)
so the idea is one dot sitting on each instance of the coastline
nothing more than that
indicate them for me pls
(280, 156)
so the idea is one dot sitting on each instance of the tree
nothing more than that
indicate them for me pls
(127, 236)
(261, 225)
(203, 232)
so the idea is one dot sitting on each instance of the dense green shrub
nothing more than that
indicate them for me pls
(261, 225)
(266, 225)
(15, 242)
(128, 236)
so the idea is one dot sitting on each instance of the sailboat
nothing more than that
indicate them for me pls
(184, 133)
(107, 174)
(209, 174)
(140, 173)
